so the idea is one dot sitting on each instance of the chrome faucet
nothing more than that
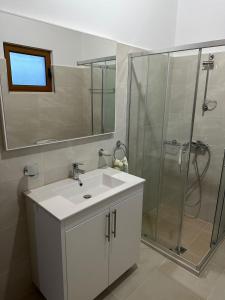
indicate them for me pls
(77, 171)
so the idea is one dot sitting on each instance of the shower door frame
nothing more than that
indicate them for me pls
(219, 218)
(196, 269)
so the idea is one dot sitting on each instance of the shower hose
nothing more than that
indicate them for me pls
(198, 148)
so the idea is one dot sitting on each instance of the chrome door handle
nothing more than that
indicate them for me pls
(114, 223)
(108, 227)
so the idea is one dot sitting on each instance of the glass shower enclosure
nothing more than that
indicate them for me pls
(176, 142)
(102, 93)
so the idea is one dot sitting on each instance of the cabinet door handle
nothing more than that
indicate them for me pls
(114, 223)
(108, 227)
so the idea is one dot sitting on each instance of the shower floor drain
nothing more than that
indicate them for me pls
(88, 196)
(182, 250)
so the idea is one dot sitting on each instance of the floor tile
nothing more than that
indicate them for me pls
(196, 233)
(158, 286)
(144, 246)
(157, 278)
(201, 244)
(219, 256)
(196, 237)
(201, 286)
(208, 227)
(191, 257)
(218, 292)
(149, 259)
(190, 231)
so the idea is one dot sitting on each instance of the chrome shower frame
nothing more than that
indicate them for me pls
(93, 64)
(195, 269)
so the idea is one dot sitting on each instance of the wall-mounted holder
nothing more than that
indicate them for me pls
(31, 170)
(120, 147)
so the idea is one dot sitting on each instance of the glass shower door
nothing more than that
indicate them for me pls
(148, 93)
(156, 88)
(160, 129)
(177, 134)
(219, 220)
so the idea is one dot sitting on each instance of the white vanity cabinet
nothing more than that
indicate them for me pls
(126, 232)
(102, 248)
(87, 255)
(78, 257)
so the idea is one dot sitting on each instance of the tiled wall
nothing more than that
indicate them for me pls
(210, 129)
(54, 162)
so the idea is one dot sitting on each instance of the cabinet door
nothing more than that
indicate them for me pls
(87, 258)
(126, 234)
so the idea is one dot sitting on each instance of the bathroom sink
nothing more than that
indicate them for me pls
(65, 198)
(92, 186)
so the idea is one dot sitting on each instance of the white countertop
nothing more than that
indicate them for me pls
(52, 196)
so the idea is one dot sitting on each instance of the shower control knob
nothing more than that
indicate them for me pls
(205, 107)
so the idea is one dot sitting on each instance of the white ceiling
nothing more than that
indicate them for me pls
(143, 23)
(200, 20)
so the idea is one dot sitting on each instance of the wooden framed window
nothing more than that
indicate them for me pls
(28, 68)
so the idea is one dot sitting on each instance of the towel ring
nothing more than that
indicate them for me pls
(120, 147)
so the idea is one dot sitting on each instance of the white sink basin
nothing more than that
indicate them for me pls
(65, 198)
(92, 186)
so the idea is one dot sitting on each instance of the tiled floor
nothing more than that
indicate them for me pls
(196, 237)
(157, 278)
(196, 234)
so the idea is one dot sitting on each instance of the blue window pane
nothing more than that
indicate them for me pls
(27, 69)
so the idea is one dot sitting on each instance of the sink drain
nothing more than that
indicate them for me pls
(88, 196)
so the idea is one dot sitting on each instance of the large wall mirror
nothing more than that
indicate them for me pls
(57, 84)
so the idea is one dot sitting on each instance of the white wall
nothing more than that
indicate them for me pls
(143, 23)
(200, 20)
(67, 45)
